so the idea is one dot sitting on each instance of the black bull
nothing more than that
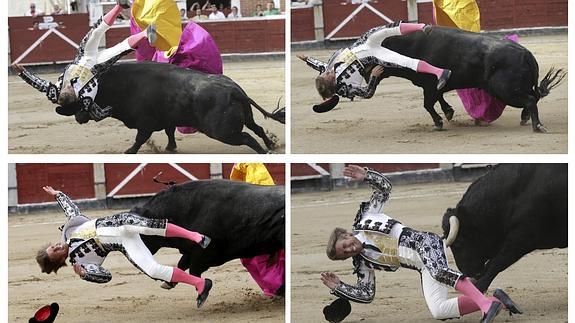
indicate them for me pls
(504, 215)
(243, 220)
(151, 97)
(506, 70)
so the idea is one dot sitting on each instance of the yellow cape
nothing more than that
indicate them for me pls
(462, 14)
(166, 16)
(255, 173)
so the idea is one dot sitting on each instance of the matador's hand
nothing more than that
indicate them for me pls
(79, 270)
(330, 280)
(356, 173)
(377, 71)
(302, 57)
(17, 68)
(50, 190)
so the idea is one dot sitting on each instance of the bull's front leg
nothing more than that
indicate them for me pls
(512, 251)
(170, 132)
(429, 99)
(141, 138)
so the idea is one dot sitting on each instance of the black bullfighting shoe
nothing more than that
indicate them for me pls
(124, 3)
(506, 300)
(205, 241)
(205, 293)
(337, 310)
(327, 105)
(46, 314)
(494, 309)
(443, 79)
(151, 34)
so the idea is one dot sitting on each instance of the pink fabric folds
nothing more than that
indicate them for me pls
(196, 50)
(270, 277)
(479, 104)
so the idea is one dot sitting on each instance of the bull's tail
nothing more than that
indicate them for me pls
(278, 114)
(551, 80)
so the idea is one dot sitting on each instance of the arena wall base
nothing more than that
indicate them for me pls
(114, 204)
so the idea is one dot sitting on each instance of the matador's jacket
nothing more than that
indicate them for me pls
(349, 63)
(389, 245)
(84, 237)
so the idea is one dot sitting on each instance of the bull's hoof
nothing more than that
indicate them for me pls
(170, 149)
(449, 114)
(131, 151)
(168, 285)
(438, 127)
(523, 122)
(541, 129)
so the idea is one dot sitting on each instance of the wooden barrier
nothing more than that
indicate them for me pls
(495, 15)
(23, 34)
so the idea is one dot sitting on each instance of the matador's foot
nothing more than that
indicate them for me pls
(203, 296)
(205, 241)
(124, 3)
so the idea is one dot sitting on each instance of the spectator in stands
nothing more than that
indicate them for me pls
(235, 13)
(183, 13)
(199, 15)
(56, 10)
(259, 11)
(271, 9)
(216, 13)
(33, 12)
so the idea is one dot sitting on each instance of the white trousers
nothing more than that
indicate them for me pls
(135, 249)
(92, 56)
(436, 298)
(372, 47)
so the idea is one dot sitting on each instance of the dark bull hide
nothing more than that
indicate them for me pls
(151, 97)
(504, 215)
(243, 220)
(507, 70)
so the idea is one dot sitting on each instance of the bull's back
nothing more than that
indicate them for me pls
(467, 54)
(531, 196)
(156, 95)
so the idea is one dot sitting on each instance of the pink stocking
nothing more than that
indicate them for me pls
(425, 67)
(136, 38)
(112, 14)
(466, 287)
(179, 276)
(405, 28)
(174, 231)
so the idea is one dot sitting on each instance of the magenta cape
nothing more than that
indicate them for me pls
(196, 50)
(270, 277)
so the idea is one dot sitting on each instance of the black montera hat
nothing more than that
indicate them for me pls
(337, 310)
(46, 314)
(327, 105)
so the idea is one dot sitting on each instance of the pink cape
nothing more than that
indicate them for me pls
(196, 50)
(479, 104)
(270, 277)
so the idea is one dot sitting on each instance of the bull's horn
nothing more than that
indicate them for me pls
(453, 230)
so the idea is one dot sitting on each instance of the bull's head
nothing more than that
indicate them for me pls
(466, 245)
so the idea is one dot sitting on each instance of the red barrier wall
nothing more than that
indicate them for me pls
(302, 27)
(495, 14)
(143, 182)
(52, 49)
(76, 180)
